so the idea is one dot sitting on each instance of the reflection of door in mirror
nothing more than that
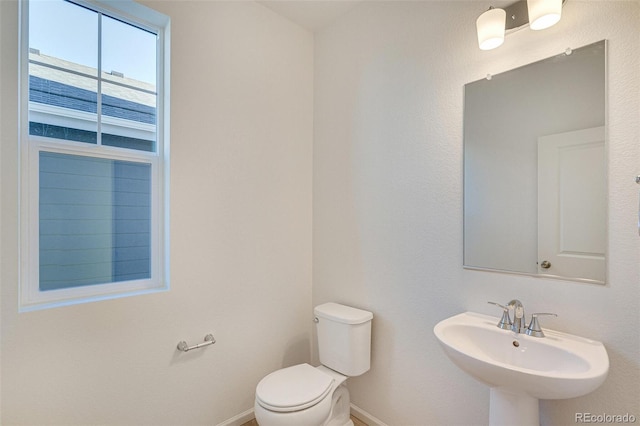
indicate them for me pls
(572, 204)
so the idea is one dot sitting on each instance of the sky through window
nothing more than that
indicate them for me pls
(70, 32)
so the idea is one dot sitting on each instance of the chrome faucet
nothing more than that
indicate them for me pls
(519, 323)
(534, 326)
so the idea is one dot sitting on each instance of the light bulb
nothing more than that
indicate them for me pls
(490, 26)
(544, 13)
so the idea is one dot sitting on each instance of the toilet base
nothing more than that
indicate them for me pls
(341, 408)
(337, 414)
(348, 423)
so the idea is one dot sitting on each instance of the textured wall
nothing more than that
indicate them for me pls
(388, 201)
(241, 134)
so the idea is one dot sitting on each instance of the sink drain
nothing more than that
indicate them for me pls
(516, 343)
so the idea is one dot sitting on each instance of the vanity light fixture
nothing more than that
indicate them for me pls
(493, 24)
(490, 26)
(544, 13)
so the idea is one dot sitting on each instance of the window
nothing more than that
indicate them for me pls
(94, 147)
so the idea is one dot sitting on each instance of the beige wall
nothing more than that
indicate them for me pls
(241, 135)
(387, 188)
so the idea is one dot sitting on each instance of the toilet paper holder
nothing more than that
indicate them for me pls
(208, 340)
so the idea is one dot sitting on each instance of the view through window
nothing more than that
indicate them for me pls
(94, 145)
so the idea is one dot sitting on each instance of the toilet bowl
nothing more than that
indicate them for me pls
(303, 395)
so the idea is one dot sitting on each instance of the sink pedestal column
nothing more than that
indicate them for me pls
(508, 408)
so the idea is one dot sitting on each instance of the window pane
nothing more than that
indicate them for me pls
(66, 32)
(62, 105)
(63, 60)
(129, 52)
(95, 217)
(129, 102)
(129, 117)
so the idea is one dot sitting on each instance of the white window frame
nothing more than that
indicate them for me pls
(30, 296)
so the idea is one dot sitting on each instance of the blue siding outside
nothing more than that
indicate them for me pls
(116, 107)
(63, 95)
(53, 93)
(95, 221)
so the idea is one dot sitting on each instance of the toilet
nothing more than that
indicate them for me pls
(303, 395)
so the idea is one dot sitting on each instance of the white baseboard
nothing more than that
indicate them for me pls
(240, 419)
(366, 417)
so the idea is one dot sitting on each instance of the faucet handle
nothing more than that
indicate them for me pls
(505, 321)
(534, 326)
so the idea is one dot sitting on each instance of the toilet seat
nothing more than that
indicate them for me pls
(293, 388)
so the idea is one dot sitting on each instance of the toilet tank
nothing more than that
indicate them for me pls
(344, 338)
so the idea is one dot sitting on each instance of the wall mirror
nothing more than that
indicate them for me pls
(535, 198)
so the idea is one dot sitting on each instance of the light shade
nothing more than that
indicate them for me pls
(490, 26)
(543, 13)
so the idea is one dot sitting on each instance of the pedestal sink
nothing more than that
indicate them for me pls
(521, 369)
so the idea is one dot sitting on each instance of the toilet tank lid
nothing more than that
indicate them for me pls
(342, 313)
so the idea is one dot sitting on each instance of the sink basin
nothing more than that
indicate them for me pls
(521, 369)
